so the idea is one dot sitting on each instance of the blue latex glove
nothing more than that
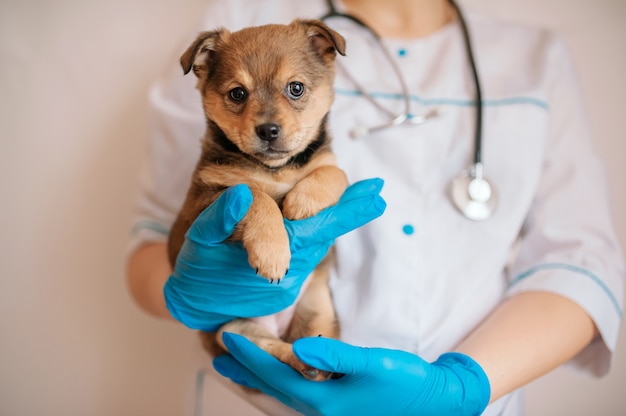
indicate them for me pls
(213, 283)
(377, 381)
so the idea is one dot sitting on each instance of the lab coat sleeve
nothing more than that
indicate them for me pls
(568, 244)
(176, 125)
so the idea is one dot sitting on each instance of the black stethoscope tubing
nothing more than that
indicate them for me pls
(477, 208)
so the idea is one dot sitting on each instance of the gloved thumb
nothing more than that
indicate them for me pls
(331, 355)
(217, 222)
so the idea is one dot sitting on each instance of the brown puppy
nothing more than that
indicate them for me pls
(266, 93)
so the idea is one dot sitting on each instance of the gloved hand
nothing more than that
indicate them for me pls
(212, 282)
(377, 381)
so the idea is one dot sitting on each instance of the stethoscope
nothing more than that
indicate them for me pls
(472, 194)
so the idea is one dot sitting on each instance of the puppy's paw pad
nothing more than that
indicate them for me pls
(315, 374)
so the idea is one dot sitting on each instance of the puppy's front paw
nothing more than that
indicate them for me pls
(297, 205)
(268, 252)
(317, 191)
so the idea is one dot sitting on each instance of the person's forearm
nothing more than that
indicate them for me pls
(527, 336)
(148, 270)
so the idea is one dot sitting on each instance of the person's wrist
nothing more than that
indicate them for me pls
(475, 388)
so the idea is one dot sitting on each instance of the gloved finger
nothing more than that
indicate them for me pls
(217, 222)
(229, 367)
(361, 205)
(253, 367)
(264, 366)
(362, 188)
(332, 355)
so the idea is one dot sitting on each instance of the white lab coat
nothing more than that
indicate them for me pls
(422, 276)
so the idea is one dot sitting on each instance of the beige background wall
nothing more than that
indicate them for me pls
(73, 81)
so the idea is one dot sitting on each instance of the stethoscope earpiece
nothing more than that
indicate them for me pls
(474, 196)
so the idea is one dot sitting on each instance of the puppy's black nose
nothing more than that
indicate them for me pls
(268, 131)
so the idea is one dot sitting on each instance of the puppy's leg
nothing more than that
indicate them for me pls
(320, 189)
(265, 340)
(264, 237)
(315, 314)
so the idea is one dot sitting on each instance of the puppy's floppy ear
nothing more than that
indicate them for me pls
(198, 55)
(326, 41)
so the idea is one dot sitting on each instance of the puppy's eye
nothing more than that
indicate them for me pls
(237, 94)
(295, 90)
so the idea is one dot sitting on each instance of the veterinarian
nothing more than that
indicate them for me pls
(444, 308)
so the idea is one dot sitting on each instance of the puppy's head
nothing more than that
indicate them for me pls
(268, 87)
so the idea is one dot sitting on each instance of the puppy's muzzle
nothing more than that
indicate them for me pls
(268, 132)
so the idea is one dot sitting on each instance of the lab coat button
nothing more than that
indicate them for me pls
(408, 229)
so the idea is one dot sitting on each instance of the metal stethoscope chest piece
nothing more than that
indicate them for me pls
(472, 194)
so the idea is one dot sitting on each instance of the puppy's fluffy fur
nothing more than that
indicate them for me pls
(266, 93)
